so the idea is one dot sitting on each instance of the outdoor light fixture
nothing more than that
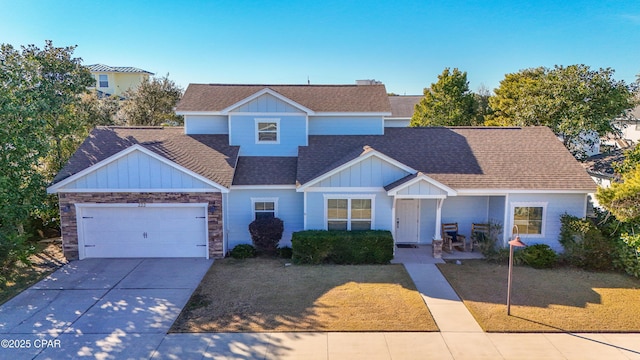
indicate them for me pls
(517, 243)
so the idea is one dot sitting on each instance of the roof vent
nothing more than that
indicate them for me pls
(368, 82)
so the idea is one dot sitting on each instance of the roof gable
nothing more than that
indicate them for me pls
(266, 100)
(419, 185)
(135, 168)
(215, 98)
(209, 156)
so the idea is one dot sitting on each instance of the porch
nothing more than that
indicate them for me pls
(423, 254)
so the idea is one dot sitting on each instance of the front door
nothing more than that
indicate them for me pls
(407, 221)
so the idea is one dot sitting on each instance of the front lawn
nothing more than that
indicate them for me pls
(258, 295)
(554, 300)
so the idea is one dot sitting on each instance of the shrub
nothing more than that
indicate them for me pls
(584, 244)
(487, 243)
(243, 251)
(342, 247)
(285, 252)
(539, 256)
(266, 233)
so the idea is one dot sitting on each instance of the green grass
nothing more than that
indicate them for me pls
(257, 295)
(551, 300)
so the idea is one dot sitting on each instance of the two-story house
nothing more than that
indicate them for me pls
(316, 156)
(116, 80)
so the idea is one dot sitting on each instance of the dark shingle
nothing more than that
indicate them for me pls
(319, 98)
(461, 158)
(265, 170)
(207, 155)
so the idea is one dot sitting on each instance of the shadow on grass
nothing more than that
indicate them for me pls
(258, 295)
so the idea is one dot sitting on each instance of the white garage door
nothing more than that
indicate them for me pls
(152, 231)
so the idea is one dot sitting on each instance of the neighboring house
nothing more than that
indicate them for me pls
(402, 109)
(316, 156)
(116, 80)
(630, 126)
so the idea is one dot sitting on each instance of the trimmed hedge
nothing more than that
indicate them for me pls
(342, 247)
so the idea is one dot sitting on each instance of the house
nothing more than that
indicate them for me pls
(402, 109)
(116, 80)
(316, 156)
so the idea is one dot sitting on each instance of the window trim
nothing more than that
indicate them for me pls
(349, 197)
(106, 81)
(542, 205)
(267, 120)
(274, 200)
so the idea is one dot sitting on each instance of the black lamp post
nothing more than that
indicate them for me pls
(517, 243)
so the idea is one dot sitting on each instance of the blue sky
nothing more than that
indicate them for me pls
(404, 44)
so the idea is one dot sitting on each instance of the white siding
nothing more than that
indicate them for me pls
(267, 103)
(206, 124)
(370, 172)
(137, 171)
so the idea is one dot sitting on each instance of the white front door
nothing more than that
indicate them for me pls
(407, 221)
(154, 231)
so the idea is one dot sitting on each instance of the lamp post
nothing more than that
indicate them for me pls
(517, 243)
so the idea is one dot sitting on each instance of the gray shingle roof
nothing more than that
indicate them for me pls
(403, 106)
(461, 158)
(319, 98)
(122, 69)
(207, 155)
(266, 170)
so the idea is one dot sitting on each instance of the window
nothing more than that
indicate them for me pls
(267, 130)
(529, 218)
(104, 81)
(264, 208)
(349, 213)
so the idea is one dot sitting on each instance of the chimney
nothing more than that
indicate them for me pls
(368, 82)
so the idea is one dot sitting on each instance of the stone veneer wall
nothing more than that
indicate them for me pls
(69, 226)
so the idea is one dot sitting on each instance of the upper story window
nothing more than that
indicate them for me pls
(264, 208)
(529, 217)
(268, 131)
(103, 81)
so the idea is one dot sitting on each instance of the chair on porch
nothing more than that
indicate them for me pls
(451, 238)
(479, 232)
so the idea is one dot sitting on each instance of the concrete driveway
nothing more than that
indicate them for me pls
(99, 308)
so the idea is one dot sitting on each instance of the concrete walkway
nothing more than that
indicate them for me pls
(460, 336)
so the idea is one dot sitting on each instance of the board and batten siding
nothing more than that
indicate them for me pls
(422, 188)
(292, 133)
(556, 205)
(239, 214)
(316, 216)
(137, 170)
(267, 103)
(206, 124)
(370, 172)
(345, 125)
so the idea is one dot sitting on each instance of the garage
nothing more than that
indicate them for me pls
(142, 230)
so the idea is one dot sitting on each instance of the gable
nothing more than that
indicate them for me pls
(371, 171)
(135, 169)
(419, 185)
(267, 103)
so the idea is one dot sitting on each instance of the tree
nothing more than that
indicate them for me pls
(152, 103)
(448, 102)
(577, 103)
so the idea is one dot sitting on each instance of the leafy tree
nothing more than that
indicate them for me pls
(577, 103)
(96, 111)
(152, 103)
(448, 102)
(630, 162)
(482, 109)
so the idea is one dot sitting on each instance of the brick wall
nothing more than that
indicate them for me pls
(69, 226)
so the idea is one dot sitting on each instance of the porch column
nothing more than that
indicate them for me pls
(436, 244)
